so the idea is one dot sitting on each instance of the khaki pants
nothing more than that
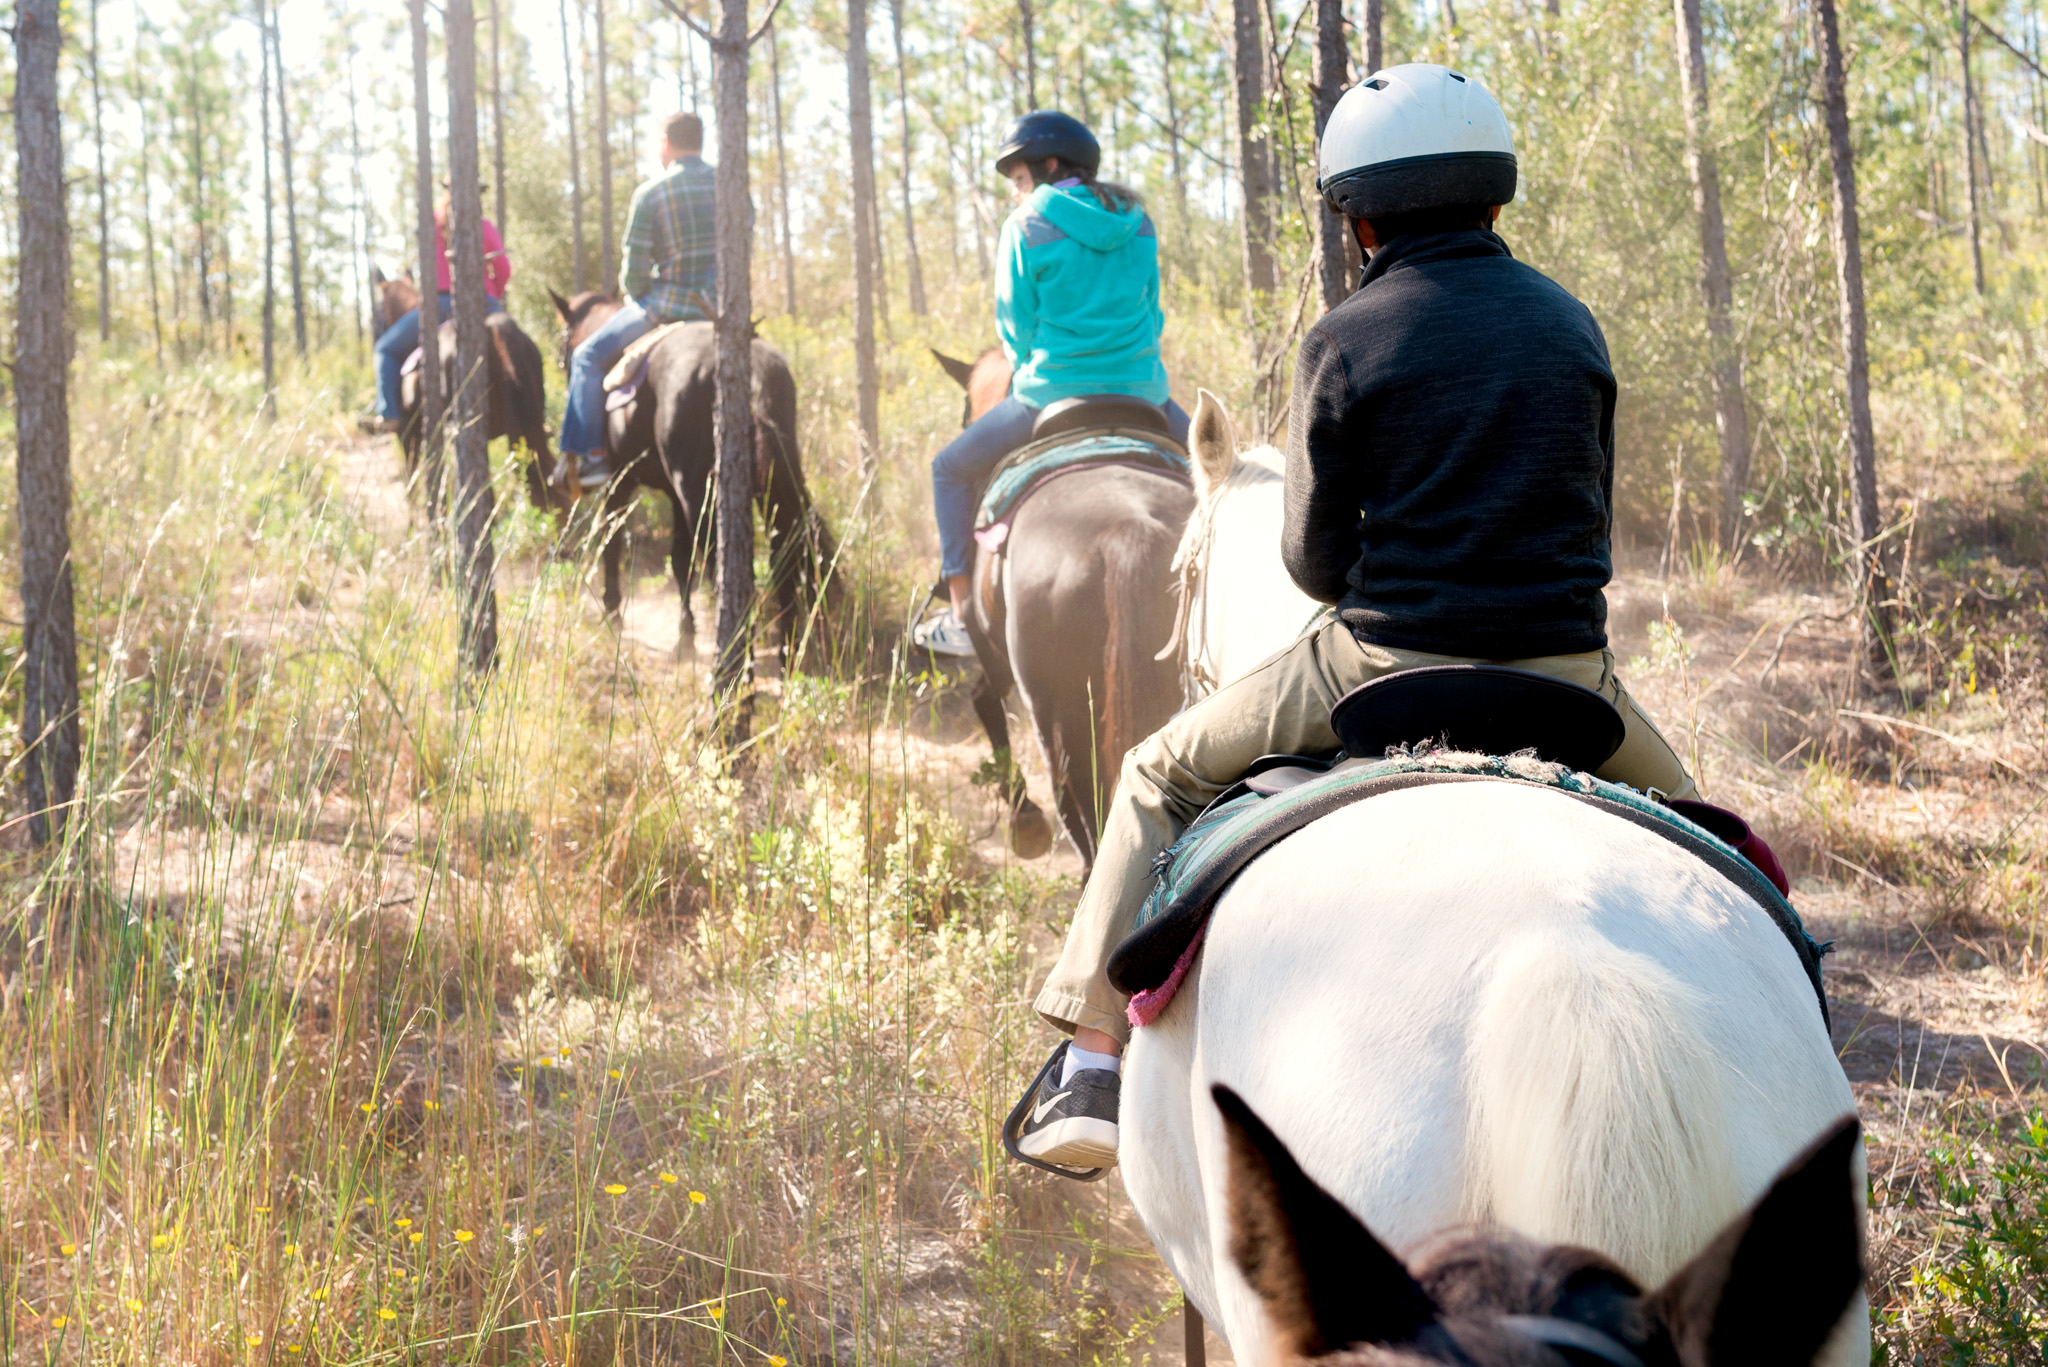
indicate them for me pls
(1282, 707)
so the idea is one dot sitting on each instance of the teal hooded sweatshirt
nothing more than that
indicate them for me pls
(1077, 298)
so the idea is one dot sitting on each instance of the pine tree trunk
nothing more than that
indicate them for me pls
(475, 504)
(1731, 417)
(431, 400)
(1375, 24)
(1332, 62)
(917, 304)
(99, 154)
(1970, 176)
(291, 194)
(497, 125)
(733, 421)
(1254, 166)
(861, 137)
(1871, 581)
(360, 248)
(156, 316)
(1175, 159)
(269, 220)
(782, 174)
(608, 266)
(575, 159)
(202, 284)
(1027, 25)
(49, 672)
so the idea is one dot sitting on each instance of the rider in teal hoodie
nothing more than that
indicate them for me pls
(1077, 309)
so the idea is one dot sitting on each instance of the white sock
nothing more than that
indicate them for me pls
(1079, 1059)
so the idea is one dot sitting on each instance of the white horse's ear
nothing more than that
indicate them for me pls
(1212, 440)
(1770, 1288)
(1327, 1283)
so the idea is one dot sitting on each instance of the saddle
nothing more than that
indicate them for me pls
(1445, 724)
(1046, 458)
(622, 381)
(1099, 413)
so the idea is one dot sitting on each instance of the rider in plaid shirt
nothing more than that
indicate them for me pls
(670, 267)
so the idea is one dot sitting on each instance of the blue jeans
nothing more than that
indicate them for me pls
(960, 472)
(583, 418)
(397, 343)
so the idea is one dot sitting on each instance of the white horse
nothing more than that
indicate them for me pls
(1229, 559)
(1472, 1003)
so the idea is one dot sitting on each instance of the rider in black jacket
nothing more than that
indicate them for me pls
(1449, 490)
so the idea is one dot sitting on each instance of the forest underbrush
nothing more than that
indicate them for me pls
(372, 1013)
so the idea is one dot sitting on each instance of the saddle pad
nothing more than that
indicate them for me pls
(632, 363)
(1249, 818)
(1032, 465)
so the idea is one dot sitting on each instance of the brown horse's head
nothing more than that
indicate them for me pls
(390, 300)
(1769, 1289)
(986, 379)
(580, 315)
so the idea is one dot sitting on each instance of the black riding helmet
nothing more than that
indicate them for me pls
(1048, 133)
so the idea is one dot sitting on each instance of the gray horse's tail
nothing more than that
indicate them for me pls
(1138, 692)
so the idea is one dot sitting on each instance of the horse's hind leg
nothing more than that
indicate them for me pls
(1026, 830)
(682, 533)
(613, 528)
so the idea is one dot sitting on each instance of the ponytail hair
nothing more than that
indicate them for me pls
(1118, 199)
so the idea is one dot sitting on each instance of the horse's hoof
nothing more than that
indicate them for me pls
(1029, 834)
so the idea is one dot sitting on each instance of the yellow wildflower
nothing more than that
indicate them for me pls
(716, 1310)
(319, 1293)
(463, 1236)
(544, 1062)
(293, 1348)
(431, 1105)
(780, 1302)
(67, 1249)
(699, 1197)
(402, 1222)
(59, 1321)
(613, 1072)
(134, 1304)
(369, 1200)
(262, 1210)
(253, 1339)
(415, 1236)
(290, 1249)
(564, 1051)
(668, 1179)
(367, 1107)
(774, 1361)
(615, 1189)
(387, 1313)
(159, 1240)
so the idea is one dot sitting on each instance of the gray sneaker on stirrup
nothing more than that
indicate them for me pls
(943, 634)
(1072, 1124)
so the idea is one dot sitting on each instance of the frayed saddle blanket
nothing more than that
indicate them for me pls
(1033, 465)
(1283, 794)
(622, 381)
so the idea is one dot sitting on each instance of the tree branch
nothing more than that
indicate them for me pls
(2007, 44)
(720, 44)
(689, 23)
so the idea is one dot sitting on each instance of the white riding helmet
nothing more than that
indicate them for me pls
(1414, 137)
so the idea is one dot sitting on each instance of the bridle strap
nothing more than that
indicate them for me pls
(1571, 1336)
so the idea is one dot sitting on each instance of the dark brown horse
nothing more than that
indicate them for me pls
(662, 441)
(1073, 610)
(516, 407)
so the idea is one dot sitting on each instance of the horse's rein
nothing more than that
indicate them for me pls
(1197, 680)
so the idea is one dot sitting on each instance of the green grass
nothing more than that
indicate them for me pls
(370, 1013)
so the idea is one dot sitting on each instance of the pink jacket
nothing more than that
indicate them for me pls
(497, 262)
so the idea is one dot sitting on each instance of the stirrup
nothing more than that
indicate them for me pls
(1013, 1126)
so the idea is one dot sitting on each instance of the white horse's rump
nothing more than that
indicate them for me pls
(1480, 1002)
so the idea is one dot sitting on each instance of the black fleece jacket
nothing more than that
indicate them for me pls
(1450, 456)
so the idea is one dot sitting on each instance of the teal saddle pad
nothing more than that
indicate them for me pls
(1244, 822)
(1032, 465)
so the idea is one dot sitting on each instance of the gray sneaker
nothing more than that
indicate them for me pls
(943, 634)
(1071, 1124)
(593, 471)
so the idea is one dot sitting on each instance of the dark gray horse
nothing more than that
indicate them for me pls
(662, 441)
(1073, 612)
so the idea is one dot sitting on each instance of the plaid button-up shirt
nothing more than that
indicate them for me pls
(670, 250)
